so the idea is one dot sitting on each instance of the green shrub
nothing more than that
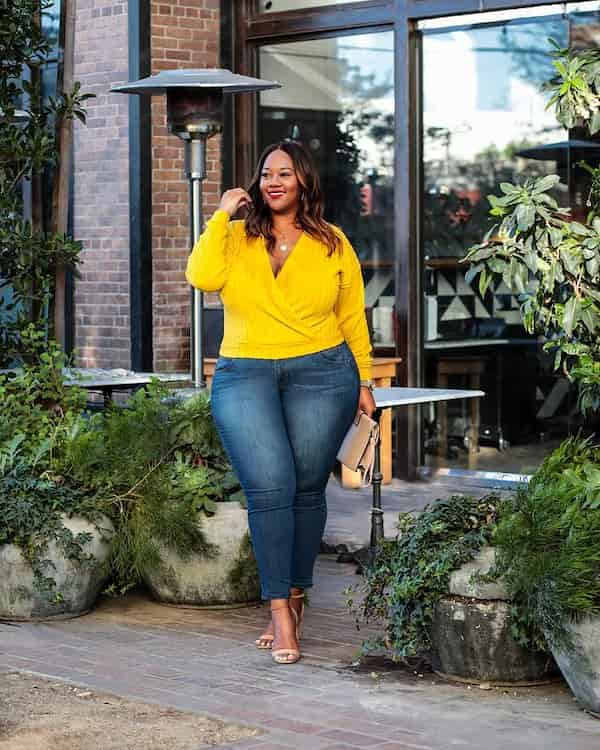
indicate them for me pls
(548, 545)
(154, 466)
(38, 417)
(412, 572)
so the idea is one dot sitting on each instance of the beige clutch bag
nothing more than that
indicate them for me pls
(357, 451)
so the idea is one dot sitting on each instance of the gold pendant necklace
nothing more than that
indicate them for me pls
(283, 246)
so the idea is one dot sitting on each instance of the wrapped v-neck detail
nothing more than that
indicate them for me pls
(287, 259)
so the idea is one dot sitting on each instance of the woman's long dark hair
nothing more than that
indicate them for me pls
(259, 221)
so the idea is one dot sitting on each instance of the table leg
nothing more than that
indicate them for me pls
(377, 532)
(107, 393)
(385, 432)
(499, 383)
(475, 420)
(442, 407)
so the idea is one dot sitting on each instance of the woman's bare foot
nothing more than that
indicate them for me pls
(285, 649)
(296, 602)
(266, 639)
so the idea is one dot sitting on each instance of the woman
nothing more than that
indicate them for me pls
(294, 367)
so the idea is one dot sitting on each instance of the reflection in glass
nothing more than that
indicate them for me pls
(337, 98)
(50, 27)
(485, 122)
(482, 108)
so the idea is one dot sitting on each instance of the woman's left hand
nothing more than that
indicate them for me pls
(366, 402)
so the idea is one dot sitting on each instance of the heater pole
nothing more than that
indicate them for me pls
(195, 160)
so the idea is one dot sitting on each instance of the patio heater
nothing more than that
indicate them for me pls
(194, 114)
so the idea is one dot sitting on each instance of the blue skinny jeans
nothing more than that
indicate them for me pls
(281, 422)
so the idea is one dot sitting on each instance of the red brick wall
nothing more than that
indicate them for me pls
(185, 34)
(101, 173)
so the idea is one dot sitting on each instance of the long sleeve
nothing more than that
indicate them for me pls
(350, 311)
(210, 260)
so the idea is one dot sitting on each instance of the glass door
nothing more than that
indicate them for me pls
(485, 122)
(337, 98)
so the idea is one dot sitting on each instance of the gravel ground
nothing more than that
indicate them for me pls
(38, 714)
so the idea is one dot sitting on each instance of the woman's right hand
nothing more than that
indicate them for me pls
(233, 199)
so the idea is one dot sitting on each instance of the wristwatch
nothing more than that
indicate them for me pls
(367, 384)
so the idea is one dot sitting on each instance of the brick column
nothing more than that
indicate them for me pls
(185, 34)
(101, 174)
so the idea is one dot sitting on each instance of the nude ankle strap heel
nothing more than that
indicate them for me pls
(298, 614)
(284, 655)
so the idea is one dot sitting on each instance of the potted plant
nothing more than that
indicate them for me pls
(427, 587)
(159, 468)
(548, 553)
(54, 538)
(225, 573)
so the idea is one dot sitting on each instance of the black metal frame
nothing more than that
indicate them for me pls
(250, 29)
(226, 47)
(140, 191)
(69, 298)
(69, 342)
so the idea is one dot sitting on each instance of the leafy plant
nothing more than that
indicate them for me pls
(552, 263)
(31, 507)
(38, 417)
(38, 413)
(534, 239)
(576, 87)
(587, 374)
(411, 573)
(548, 546)
(154, 465)
(151, 467)
(30, 254)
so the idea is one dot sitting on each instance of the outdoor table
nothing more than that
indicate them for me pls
(390, 398)
(107, 381)
(116, 379)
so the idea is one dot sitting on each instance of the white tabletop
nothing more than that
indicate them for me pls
(396, 396)
(97, 378)
(473, 342)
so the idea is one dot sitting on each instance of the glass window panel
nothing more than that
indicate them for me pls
(50, 27)
(485, 122)
(49, 73)
(276, 6)
(337, 98)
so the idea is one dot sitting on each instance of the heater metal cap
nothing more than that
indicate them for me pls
(195, 78)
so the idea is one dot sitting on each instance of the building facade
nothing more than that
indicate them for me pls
(415, 110)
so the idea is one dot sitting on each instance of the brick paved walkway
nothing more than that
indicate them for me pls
(204, 661)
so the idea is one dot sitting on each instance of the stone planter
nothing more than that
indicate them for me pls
(77, 584)
(227, 577)
(581, 665)
(470, 633)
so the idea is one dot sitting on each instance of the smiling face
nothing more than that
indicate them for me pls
(279, 184)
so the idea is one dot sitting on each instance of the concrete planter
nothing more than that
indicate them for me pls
(581, 665)
(77, 585)
(471, 635)
(227, 577)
